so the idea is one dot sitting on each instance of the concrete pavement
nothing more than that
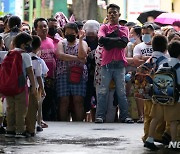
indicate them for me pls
(81, 138)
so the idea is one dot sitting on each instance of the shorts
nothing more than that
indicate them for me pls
(65, 88)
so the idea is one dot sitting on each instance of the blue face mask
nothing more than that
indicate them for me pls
(132, 40)
(146, 38)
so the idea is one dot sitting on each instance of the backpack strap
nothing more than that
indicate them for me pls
(159, 60)
(34, 58)
(176, 66)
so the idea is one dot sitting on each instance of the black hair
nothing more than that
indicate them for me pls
(159, 43)
(113, 6)
(146, 26)
(36, 42)
(51, 19)
(137, 30)
(1, 18)
(71, 25)
(6, 17)
(25, 24)
(14, 23)
(130, 24)
(21, 38)
(173, 35)
(174, 49)
(79, 24)
(37, 20)
(176, 23)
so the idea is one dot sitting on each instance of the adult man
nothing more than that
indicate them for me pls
(144, 50)
(52, 31)
(114, 39)
(48, 55)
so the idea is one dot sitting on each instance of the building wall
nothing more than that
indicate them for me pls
(176, 6)
(166, 5)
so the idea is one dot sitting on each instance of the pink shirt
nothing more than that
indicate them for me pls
(48, 55)
(115, 54)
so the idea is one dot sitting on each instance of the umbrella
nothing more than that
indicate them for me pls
(144, 15)
(167, 18)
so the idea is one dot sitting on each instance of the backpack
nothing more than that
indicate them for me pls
(12, 79)
(144, 78)
(166, 90)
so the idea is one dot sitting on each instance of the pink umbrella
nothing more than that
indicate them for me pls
(167, 18)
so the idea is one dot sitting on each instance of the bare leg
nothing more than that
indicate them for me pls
(78, 107)
(63, 108)
(173, 129)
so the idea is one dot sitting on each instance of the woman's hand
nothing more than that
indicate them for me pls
(81, 34)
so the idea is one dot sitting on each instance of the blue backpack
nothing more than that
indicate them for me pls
(166, 90)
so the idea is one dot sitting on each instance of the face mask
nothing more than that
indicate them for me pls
(146, 38)
(28, 48)
(70, 38)
(52, 31)
(132, 40)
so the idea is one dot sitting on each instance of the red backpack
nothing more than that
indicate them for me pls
(12, 80)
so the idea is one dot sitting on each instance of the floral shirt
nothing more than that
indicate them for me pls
(62, 66)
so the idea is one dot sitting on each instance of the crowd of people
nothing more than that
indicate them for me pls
(87, 71)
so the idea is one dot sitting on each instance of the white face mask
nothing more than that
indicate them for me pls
(132, 40)
(146, 38)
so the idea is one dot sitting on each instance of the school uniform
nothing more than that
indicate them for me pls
(33, 98)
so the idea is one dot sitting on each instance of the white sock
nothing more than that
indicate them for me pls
(150, 139)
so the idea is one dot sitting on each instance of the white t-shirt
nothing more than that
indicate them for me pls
(2, 55)
(37, 67)
(26, 59)
(44, 67)
(142, 49)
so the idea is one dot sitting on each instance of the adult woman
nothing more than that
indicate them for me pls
(71, 53)
(135, 38)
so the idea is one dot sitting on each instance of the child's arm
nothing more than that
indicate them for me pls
(30, 74)
(41, 85)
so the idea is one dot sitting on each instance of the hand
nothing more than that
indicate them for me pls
(82, 60)
(43, 93)
(81, 34)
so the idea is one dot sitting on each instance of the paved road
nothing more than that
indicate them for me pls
(81, 138)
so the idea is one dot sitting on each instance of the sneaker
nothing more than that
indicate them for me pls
(2, 130)
(39, 129)
(151, 146)
(10, 134)
(99, 120)
(128, 121)
(166, 138)
(22, 135)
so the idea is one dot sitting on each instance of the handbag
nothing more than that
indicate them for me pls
(75, 74)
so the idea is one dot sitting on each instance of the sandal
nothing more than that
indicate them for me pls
(44, 125)
(128, 120)
(141, 120)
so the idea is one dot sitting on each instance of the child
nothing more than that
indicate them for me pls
(33, 99)
(17, 104)
(169, 112)
(159, 45)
